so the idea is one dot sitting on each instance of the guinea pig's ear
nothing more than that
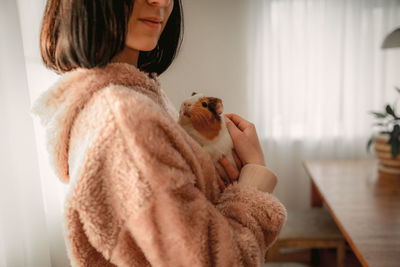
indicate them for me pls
(194, 93)
(219, 108)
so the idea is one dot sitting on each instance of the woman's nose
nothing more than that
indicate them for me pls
(161, 3)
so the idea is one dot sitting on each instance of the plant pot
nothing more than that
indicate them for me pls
(383, 153)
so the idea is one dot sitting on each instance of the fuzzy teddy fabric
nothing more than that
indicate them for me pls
(142, 191)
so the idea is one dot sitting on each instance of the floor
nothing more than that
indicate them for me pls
(327, 257)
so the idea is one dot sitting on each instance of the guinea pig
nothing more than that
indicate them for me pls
(202, 119)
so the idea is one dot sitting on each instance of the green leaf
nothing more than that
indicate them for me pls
(390, 111)
(369, 143)
(395, 148)
(379, 124)
(396, 130)
(379, 114)
(394, 140)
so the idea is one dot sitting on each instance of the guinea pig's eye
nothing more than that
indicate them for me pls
(204, 104)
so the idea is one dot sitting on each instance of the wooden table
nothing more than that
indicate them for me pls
(364, 204)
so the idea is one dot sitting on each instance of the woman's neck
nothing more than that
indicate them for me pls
(127, 55)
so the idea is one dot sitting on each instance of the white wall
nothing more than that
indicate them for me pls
(213, 58)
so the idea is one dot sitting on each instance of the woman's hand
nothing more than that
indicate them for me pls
(231, 171)
(245, 139)
(247, 147)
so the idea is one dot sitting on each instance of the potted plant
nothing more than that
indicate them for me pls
(386, 141)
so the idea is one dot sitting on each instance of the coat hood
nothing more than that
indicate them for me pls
(59, 106)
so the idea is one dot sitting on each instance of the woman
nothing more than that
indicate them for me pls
(142, 191)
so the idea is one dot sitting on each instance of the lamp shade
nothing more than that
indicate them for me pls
(392, 40)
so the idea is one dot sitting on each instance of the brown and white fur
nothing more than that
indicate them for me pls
(202, 119)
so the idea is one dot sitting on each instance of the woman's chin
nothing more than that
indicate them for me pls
(142, 46)
(147, 47)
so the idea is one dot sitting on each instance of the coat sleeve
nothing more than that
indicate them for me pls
(167, 220)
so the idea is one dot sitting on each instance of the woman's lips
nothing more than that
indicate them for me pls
(153, 23)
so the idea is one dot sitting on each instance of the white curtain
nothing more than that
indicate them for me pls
(31, 197)
(315, 70)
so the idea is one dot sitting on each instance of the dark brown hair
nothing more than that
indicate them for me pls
(89, 33)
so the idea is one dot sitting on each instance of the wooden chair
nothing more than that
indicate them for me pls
(312, 228)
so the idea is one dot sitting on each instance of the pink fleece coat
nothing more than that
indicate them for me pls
(142, 191)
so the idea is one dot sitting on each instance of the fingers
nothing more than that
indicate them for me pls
(241, 123)
(221, 183)
(237, 160)
(230, 170)
(232, 128)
